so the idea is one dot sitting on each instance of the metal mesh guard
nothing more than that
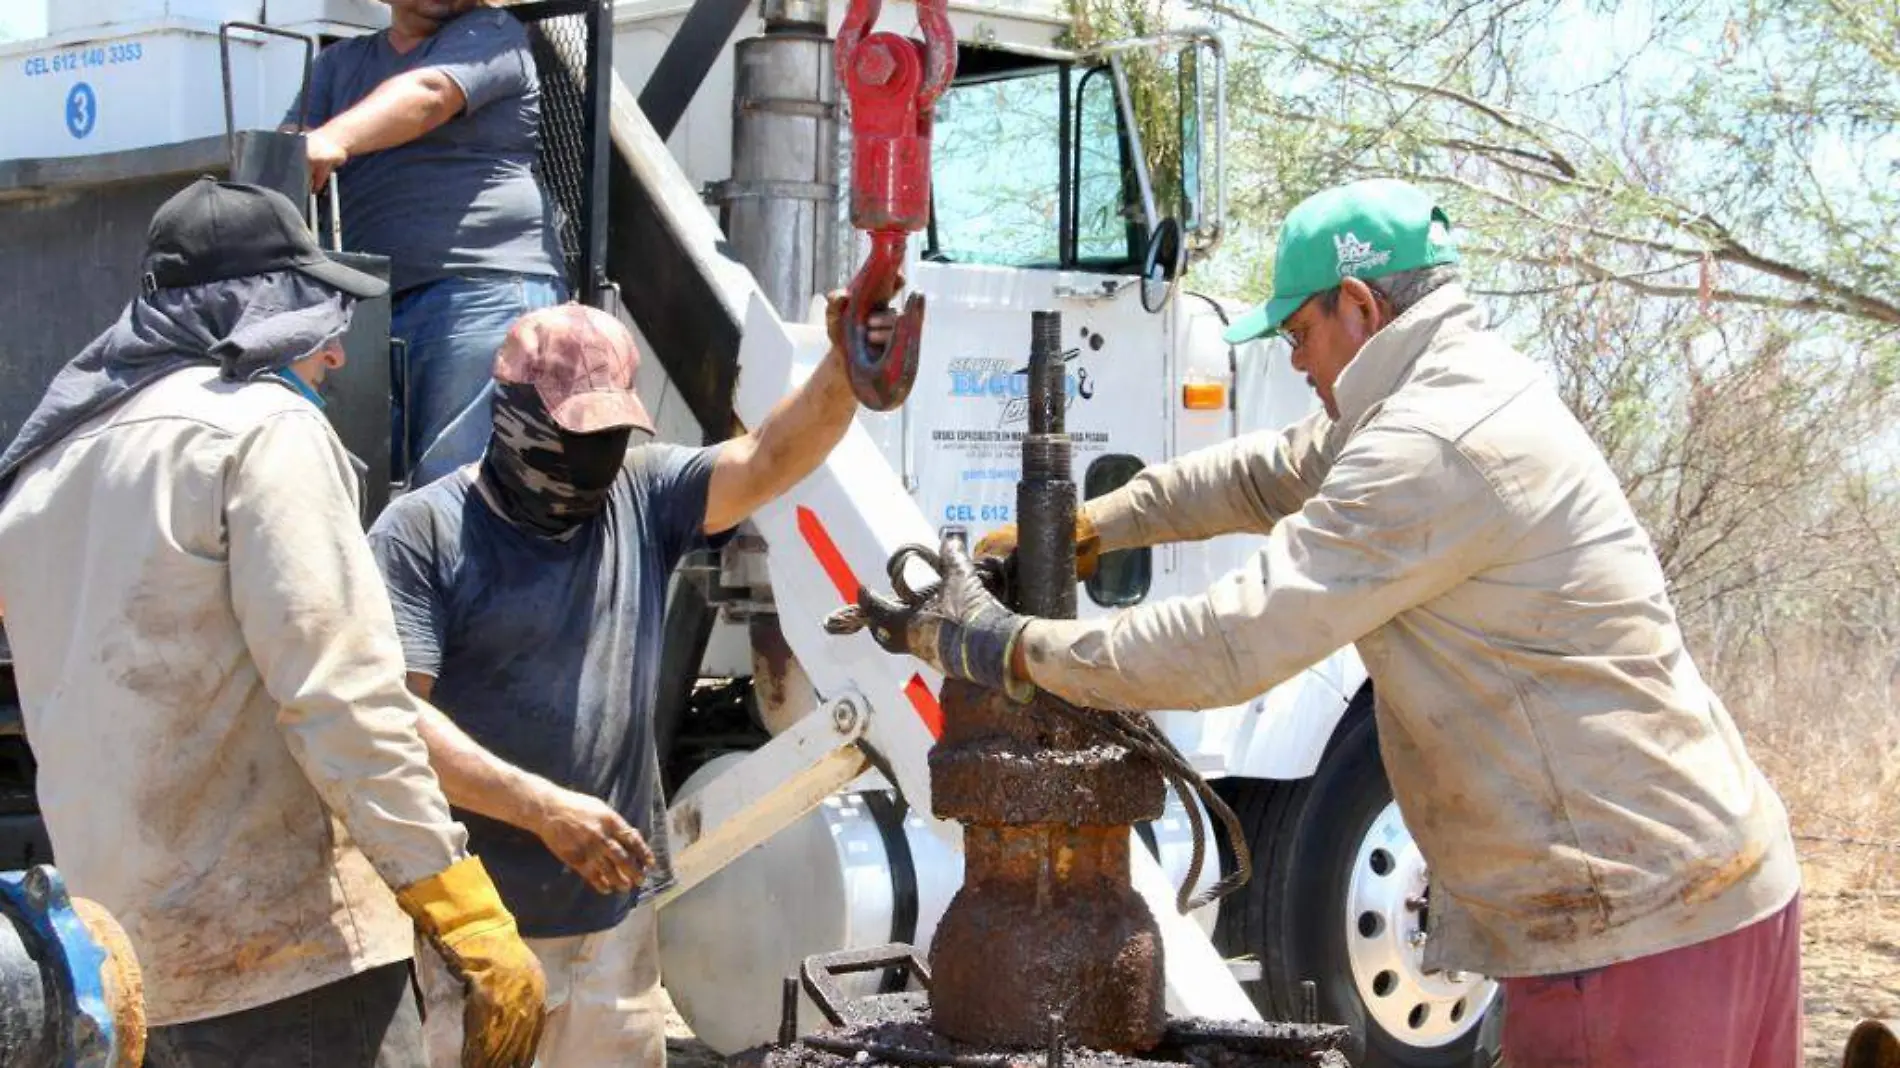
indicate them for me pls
(559, 44)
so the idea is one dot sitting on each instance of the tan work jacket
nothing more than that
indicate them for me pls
(1581, 796)
(212, 687)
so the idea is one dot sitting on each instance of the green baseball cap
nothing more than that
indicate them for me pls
(1367, 229)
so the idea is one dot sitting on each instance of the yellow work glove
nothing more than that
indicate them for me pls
(1001, 543)
(461, 914)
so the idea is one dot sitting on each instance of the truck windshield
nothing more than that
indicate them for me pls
(997, 173)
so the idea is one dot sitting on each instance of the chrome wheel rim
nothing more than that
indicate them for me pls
(1386, 908)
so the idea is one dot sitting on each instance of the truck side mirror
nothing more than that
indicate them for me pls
(1188, 95)
(1161, 264)
(1201, 86)
(1167, 144)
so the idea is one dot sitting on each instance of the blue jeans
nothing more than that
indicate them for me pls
(452, 328)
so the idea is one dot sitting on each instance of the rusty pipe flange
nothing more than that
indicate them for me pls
(1010, 782)
(1874, 1044)
(1003, 762)
(1095, 954)
(972, 713)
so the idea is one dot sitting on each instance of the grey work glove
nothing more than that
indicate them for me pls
(957, 627)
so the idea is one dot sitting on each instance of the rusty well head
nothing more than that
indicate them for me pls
(1047, 922)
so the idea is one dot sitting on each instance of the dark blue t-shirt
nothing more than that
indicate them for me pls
(547, 653)
(463, 197)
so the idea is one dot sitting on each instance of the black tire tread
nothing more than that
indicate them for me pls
(1261, 920)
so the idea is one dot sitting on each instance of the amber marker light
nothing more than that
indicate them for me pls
(1204, 396)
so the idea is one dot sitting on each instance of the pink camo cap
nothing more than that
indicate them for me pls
(581, 361)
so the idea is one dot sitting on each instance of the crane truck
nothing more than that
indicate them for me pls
(695, 150)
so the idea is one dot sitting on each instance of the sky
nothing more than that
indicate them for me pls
(21, 19)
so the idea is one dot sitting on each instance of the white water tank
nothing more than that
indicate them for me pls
(329, 16)
(68, 16)
(823, 884)
(120, 75)
(137, 87)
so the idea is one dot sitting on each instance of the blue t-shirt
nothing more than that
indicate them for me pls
(463, 197)
(547, 653)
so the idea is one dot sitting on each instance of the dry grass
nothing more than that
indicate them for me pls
(1824, 724)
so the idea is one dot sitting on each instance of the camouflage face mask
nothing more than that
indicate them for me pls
(543, 479)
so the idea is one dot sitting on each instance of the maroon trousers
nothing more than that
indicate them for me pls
(1730, 1002)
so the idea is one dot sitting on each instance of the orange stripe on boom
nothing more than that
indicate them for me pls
(840, 573)
(845, 581)
(926, 704)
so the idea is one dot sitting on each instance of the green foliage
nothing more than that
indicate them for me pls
(1687, 208)
(1153, 78)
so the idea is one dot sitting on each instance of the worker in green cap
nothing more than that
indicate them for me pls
(1597, 836)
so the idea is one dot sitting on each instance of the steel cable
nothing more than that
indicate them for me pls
(1135, 732)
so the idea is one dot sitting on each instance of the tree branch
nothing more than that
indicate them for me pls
(1582, 228)
(1721, 243)
(1633, 280)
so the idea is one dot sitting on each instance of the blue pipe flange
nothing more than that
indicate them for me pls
(66, 997)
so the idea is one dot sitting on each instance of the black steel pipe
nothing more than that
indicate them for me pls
(788, 1012)
(1047, 397)
(1045, 498)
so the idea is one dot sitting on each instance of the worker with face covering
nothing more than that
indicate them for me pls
(542, 478)
(228, 757)
(530, 593)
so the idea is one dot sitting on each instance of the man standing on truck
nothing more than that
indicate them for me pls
(1597, 836)
(530, 594)
(432, 128)
(208, 668)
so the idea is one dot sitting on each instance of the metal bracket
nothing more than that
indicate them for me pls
(820, 973)
(695, 46)
(1096, 291)
(729, 189)
(231, 141)
(766, 792)
(401, 388)
(224, 59)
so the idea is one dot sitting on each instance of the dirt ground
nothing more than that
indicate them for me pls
(1850, 952)
(682, 1049)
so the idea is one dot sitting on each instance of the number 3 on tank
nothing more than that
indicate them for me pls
(82, 110)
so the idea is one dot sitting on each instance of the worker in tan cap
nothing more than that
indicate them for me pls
(530, 593)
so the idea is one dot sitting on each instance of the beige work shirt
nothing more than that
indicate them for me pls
(1581, 796)
(228, 758)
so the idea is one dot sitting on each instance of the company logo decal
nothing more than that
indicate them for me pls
(1356, 255)
(984, 378)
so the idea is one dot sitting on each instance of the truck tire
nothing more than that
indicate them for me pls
(1334, 868)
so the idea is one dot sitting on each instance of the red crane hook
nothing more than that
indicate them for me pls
(893, 83)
